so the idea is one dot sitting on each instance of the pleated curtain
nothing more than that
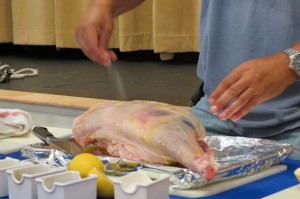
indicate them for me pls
(160, 25)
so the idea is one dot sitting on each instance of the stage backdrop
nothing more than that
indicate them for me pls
(165, 26)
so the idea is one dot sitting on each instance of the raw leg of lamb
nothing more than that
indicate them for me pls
(147, 131)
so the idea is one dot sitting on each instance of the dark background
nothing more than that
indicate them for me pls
(136, 75)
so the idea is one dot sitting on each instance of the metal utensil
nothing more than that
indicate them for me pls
(67, 145)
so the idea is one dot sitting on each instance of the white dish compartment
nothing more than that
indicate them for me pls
(21, 181)
(6, 164)
(139, 185)
(67, 185)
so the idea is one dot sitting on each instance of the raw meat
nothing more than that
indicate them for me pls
(147, 131)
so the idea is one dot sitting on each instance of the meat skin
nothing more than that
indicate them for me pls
(147, 131)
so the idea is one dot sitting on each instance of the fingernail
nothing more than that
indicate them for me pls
(223, 116)
(107, 64)
(107, 61)
(234, 118)
(214, 109)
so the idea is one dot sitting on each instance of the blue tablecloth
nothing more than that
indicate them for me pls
(257, 189)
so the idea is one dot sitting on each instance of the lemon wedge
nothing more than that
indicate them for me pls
(297, 173)
(105, 187)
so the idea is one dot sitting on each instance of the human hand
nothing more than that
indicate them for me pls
(250, 84)
(94, 31)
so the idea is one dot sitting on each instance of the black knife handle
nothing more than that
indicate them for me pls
(43, 134)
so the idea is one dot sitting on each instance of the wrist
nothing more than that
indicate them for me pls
(102, 6)
(291, 74)
(293, 61)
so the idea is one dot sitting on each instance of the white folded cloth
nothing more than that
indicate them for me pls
(14, 122)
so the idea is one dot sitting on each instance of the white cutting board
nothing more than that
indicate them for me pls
(10, 145)
(218, 187)
(292, 192)
(14, 144)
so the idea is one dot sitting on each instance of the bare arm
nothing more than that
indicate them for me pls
(121, 6)
(96, 26)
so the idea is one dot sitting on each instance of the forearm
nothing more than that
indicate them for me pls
(117, 7)
(282, 60)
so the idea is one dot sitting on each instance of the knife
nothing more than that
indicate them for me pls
(67, 145)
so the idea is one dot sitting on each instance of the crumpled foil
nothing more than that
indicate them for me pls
(46, 154)
(236, 156)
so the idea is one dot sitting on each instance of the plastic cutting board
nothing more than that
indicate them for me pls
(14, 144)
(10, 145)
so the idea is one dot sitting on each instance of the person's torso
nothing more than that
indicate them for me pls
(234, 31)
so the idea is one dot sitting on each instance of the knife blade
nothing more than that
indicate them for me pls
(67, 145)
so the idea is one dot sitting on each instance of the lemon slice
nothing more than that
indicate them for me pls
(297, 173)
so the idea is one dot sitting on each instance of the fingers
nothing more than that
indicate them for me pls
(251, 83)
(231, 92)
(237, 107)
(90, 42)
(226, 85)
(93, 35)
(244, 109)
(104, 37)
(228, 91)
(241, 105)
(236, 95)
(112, 55)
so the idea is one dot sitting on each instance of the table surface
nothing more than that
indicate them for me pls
(257, 189)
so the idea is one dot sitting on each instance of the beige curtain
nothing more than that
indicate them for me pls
(5, 21)
(159, 25)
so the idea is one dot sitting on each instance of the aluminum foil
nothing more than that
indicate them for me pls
(236, 156)
(46, 154)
